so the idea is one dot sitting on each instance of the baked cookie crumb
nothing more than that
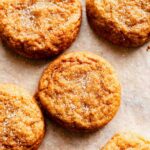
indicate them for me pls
(148, 48)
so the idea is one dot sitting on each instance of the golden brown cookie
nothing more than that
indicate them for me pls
(39, 28)
(21, 120)
(127, 141)
(80, 90)
(122, 22)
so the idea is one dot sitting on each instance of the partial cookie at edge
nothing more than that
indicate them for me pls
(34, 33)
(125, 23)
(21, 122)
(127, 140)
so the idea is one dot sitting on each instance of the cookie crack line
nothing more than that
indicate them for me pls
(69, 61)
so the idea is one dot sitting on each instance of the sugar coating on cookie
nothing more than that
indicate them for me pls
(21, 121)
(80, 90)
(127, 141)
(123, 22)
(39, 28)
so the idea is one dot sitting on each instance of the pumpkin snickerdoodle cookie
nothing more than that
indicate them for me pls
(21, 121)
(39, 28)
(127, 141)
(123, 22)
(80, 90)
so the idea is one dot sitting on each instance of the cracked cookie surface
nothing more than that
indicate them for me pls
(127, 141)
(80, 90)
(21, 120)
(39, 28)
(122, 22)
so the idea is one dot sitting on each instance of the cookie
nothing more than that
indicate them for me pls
(122, 22)
(127, 141)
(21, 121)
(39, 29)
(80, 91)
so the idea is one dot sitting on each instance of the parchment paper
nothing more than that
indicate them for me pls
(133, 68)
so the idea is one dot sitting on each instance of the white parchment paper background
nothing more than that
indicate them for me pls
(133, 68)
